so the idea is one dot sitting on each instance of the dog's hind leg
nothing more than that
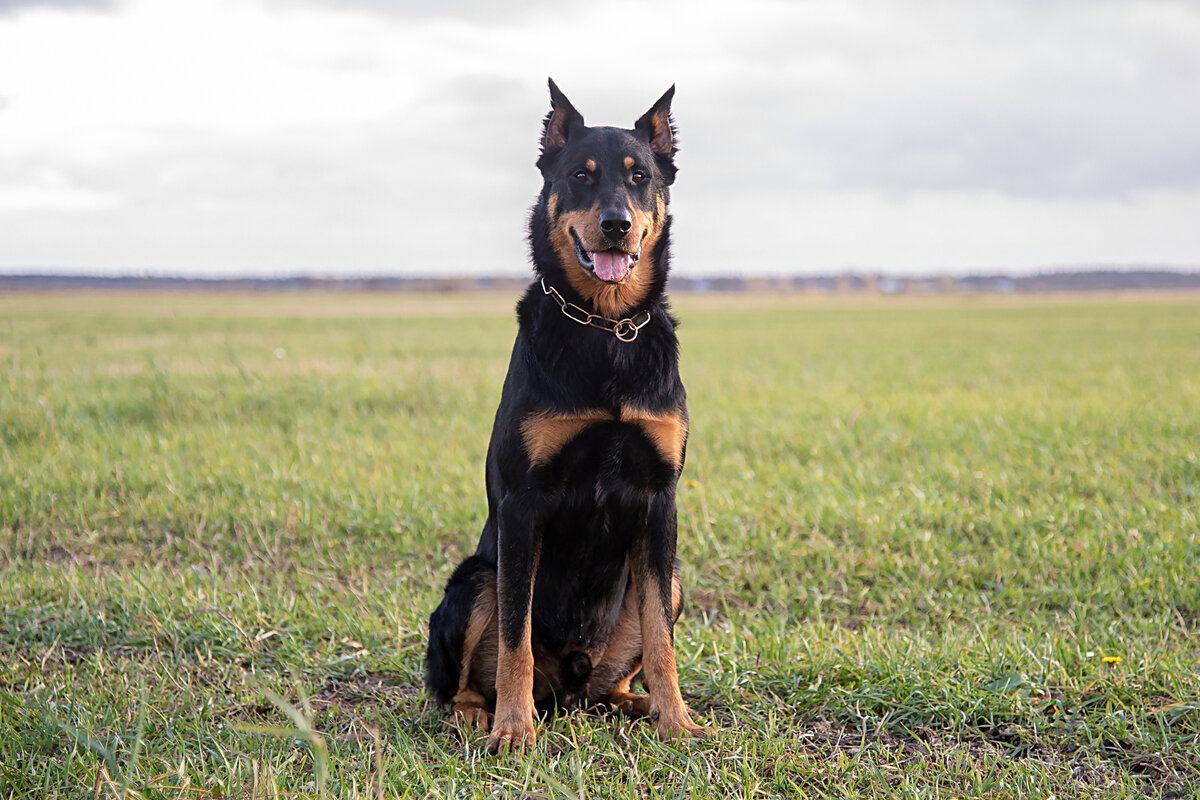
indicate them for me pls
(478, 656)
(461, 658)
(622, 658)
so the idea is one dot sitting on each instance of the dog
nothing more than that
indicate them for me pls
(574, 587)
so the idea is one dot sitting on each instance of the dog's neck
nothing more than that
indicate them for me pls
(625, 329)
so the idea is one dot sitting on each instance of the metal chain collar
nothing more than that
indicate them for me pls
(624, 329)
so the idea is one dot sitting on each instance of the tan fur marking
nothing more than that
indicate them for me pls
(623, 657)
(514, 673)
(667, 431)
(625, 644)
(644, 221)
(635, 705)
(546, 434)
(513, 724)
(482, 619)
(623, 649)
(662, 140)
(658, 662)
(667, 709)
(591, 165)
(676, 595)
(552, 206)
(608, 299)
(470, 711)
(628, 162)
(556, 130)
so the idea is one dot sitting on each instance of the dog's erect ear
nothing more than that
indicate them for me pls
(657, 126)
(561, 122)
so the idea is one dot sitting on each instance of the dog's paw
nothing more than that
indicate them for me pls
(514, 733)
(469, 717)
(635, 705)
(469, 712)
(677, 725)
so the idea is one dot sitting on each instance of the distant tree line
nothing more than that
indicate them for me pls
(866, 283)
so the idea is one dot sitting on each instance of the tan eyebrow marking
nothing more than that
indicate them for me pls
(628, 162)
(591, 165)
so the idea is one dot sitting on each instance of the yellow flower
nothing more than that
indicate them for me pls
(1111, 659)
(693, 483)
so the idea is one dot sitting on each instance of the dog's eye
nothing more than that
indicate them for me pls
(581, 176)
(638, 176)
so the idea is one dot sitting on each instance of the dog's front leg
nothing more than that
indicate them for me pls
(653, 562)
(518, 546)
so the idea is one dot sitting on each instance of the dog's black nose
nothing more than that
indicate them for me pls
(615, 222)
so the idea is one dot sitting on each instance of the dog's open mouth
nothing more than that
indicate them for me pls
(610, 266)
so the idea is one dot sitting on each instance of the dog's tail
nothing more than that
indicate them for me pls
(576, 669)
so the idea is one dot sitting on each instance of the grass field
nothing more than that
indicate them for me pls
(940, 548)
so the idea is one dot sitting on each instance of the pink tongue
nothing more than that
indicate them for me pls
(611, 265)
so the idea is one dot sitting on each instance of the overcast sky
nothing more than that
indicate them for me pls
(366, 137)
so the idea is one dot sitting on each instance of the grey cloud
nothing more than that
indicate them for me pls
(476, 10)
(1095, 108)
(1004, 106)
(294, 204)
(1014, 151)
(15, 6)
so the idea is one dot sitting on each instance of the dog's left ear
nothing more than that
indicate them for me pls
(656, 124)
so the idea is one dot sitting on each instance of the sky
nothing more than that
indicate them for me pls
(363, 137)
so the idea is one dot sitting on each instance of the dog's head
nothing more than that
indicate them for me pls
(603, 207)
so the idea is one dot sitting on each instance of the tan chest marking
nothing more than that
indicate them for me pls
(546, 434)
(666, 430)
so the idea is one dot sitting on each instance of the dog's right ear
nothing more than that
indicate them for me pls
(562, 121)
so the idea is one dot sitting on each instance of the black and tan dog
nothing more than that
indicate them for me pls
(574, 586)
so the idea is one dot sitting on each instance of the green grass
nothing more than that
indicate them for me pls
(941, 548)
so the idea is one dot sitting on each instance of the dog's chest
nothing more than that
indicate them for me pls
(546, 434)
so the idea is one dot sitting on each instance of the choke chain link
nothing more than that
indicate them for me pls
(624, 329)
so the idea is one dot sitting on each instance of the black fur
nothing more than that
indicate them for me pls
(607, 498)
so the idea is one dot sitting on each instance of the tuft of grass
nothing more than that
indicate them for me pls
(302, 730)
(938, 548)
